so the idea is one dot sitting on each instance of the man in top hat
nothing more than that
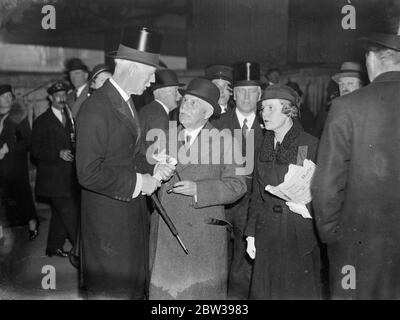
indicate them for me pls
(222, 77)
(53, 150)
(356, 186)
(99, 75)
(78, 74)
(115, 176)
(155, 115)
(349, 78)
(206, 179)
(244, 117)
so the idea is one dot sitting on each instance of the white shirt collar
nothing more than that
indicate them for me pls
(80, 89)
(223, 108)
(57, 113)
(241, 117)
(163, 105)
(121, 91)
(193, 133)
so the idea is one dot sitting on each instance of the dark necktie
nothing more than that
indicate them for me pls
(244, 135)
(187, 141)
(63, 117)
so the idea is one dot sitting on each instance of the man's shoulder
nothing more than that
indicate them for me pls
(307, 139)
(151, 109)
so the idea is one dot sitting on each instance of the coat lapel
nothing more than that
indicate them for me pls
(121, 109)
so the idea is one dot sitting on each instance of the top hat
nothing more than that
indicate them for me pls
(295, 87)
(57, 86)
(4, 88)
(99, 69)
(246, 74)
(348, 69)
(76, 64)
(166, 78)
(205, 90)
(140, 45)
(279, 91)
(219, 71)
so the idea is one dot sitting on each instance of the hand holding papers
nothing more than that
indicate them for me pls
(295, 188)
(165, 166)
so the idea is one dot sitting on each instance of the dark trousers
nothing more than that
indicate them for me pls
(63, 222)
(241, 266)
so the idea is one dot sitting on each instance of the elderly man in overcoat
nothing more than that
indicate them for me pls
(208, 177)
(115, 175)
(356, 187)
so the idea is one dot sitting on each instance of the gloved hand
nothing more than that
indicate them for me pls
(300, 209)
(251, 247)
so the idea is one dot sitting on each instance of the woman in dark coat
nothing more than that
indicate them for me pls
(281, 235)
(15, 134)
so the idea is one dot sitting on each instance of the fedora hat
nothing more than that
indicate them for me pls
(203, 89)
(348, 69)
(76, 64)
(219, 71)
(166, 78)
(140, 45)
(99, 69)
(246, 73)
(390, 41)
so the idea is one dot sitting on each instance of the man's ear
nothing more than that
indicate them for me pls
(259, 94)
(51, 98)
(86, 76)
(234, 94)
(208, 112)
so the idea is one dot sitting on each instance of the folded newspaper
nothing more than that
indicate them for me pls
(296, 185)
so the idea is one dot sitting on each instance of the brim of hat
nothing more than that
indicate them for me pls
(215, 106)
(114, 54)
(168, 85)
(339, 75)
(100, 71)
(244, 83)
(259, 103)
(382, 39)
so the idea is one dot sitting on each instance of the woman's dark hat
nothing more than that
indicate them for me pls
(140, 45)
(246, 74)
(4, 88)
(58, 86)
(76, 64)
(279, 91)
(219, 71)
(205, 90)
(166, 78)
(99, 69)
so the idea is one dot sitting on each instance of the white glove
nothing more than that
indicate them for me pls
(251, 247)
(3, 151)
(300, 209)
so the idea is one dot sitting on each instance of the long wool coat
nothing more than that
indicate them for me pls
(287, 263)
(203, 273)
(356, 190)
(115, 227)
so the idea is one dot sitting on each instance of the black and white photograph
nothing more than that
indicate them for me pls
(209, 152)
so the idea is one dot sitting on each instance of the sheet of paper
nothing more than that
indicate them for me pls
(296, 184)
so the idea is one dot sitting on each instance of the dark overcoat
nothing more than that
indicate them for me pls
(76, 103)
(356, 190)
(55, 177)
(115, 227)
(287, 262)
(237, 212)
(153, 116)
(203, 273)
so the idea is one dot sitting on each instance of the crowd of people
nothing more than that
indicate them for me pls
(91, 148)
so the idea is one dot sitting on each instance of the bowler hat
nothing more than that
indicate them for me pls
(99, 69)
(246, 74)
(219, 71)
(279, 91)
(205, 90)
(391, 41)
(76, 64)
(140, 45)
(4, 88)
(348, 69)
(166, 78)
(57, 86)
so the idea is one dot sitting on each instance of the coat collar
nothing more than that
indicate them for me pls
(121, 109)
(388, 77)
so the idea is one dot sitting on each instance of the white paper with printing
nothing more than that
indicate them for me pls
(296, 185)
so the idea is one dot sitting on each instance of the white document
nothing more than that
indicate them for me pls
(296, 185)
